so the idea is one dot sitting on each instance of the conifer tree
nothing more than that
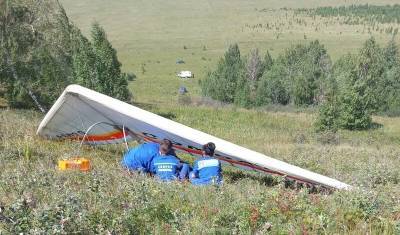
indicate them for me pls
(84, 64)
(108, 69)
(221, 84)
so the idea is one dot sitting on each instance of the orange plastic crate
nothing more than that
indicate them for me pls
(77, 163)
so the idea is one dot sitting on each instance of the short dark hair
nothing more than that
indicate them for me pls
(209, 148)
(167, 143)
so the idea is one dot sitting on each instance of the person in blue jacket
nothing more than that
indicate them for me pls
(207, 169)
(140, 158)
(166, 166)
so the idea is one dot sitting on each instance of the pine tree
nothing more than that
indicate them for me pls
(84, 64)
(346, 104)
(108, 69)
(355, 112)
(221, 84)
(391, 54)
(371, 69)
(243, 92)
(392, 79)
(268, 62)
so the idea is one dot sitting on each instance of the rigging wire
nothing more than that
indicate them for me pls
(95, 124)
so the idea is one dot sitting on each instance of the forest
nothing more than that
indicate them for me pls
(347, 91)
(368, 12)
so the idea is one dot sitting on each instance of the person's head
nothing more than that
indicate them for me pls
(208, 149)
(165, 146)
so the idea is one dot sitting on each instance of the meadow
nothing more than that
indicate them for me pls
(37, 198)
(149, 37)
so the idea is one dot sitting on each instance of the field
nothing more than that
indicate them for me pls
(108, 199)
(149, 37)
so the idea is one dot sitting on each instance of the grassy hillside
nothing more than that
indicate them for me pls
(151, 35)
(36, 196)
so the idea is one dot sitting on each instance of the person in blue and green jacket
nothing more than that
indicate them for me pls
(140, 158)
(166, 166)
(207, 169)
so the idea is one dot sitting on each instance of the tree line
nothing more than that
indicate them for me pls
(371, 13)
(42, 52)
(347, 92)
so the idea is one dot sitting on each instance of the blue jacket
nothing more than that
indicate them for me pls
(206, 170)
(165, 167)
(140, 158)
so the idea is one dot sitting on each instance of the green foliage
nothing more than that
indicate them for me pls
(84, 63)
(110, 80)
(295, 76)
(355, 113)
(33, 67)
(268, 61)
(307, 67)
(370, 13)
(367, 84)
(329, 114)
(222, 84)
(130, 77)
(370, 69)
(243, 92)
(42, 53)
(272, 88)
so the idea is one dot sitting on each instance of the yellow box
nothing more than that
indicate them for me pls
(78, 163)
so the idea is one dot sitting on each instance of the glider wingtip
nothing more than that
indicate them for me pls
(73, 87)
(345, 187)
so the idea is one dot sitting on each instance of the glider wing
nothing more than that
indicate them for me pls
(78, 108)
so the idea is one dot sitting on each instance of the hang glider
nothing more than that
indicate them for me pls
(79, 108)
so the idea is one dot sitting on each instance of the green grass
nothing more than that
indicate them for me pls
(37, 198)
(153, 34)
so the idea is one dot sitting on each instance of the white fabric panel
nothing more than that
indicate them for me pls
(78, 108)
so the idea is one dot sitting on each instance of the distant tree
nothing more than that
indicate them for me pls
(391, 54)
(254, 70)
(268, 62)
(392, 79)
(304, 90)
(367, 12)
(271, 88)
(329, 114)
(254, 67)
(305, 69)
(346, 104)
(221, 84)
(108, 68)
(370, 71)
(243, 92)
(355, 111)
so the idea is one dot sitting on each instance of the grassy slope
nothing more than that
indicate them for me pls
(107, 199)
(152, 34)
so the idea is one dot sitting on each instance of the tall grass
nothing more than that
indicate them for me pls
(149, 37)
(37, 198)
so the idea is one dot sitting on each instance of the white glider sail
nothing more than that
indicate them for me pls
(78, 108)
